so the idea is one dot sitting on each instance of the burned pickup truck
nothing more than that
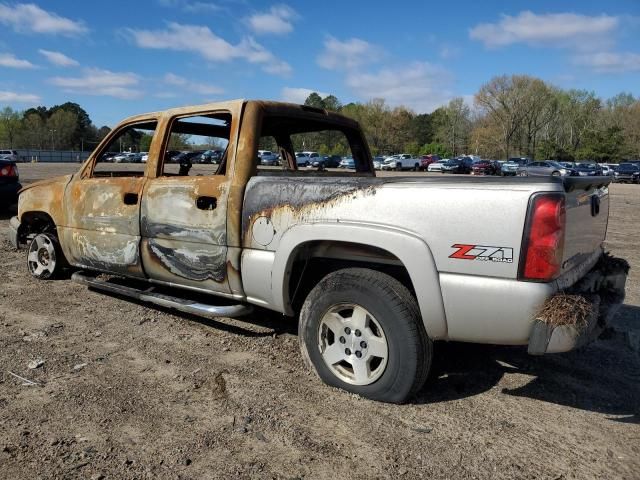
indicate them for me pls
(377, 269)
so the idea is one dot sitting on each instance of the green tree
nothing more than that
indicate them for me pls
(9, 126)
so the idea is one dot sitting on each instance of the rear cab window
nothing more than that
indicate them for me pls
(306, 145)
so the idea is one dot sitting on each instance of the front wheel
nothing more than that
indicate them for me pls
(361, 331)
(45, 259)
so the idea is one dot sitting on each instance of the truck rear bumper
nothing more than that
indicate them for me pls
(603, 289)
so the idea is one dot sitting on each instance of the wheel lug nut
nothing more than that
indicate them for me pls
(363, 344)
(347, 330)
(347, 351)
(342, 340)
(358, 353)
(358, 333)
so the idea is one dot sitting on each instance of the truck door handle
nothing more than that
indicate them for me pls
(130, 198)
(206, 203)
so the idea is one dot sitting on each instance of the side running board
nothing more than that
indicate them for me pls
(182, 304)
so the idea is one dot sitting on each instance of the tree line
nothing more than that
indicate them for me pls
(509, 116)
(61, 127)
(516, 115)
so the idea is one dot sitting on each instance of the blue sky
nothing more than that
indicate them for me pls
(119, 58)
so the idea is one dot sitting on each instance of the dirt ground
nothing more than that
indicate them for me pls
(128, 391)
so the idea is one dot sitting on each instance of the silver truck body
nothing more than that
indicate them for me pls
(417, 221)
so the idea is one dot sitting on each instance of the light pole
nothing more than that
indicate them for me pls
(52, 144)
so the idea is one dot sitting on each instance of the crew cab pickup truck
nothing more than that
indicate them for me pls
(376, 269)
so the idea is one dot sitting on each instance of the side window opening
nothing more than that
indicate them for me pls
(126, 153)
(197, 146)
(311, 146)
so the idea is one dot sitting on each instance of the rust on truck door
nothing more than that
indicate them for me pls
(101, 226)
(184, 209)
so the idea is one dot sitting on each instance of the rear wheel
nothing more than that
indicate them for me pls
(45, 259)
(555, 174)
(361, 331)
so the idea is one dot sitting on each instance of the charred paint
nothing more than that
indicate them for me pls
(190, 261)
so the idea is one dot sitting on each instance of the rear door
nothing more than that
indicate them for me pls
(184, 208)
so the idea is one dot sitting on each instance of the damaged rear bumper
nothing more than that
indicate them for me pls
(603, 287)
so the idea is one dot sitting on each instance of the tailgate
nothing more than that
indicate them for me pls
(587, 214)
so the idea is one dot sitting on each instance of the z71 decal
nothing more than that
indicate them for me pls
(484, 253)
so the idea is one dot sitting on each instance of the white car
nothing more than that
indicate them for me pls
(144, 157)
(267, 157)
(11, 155)
(403, 161)
(436, 166)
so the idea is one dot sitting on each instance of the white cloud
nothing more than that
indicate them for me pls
(13, 97)
(201, 88)
(552, 29)
(202, 41)
(420, 86)
(59, 59)
(9, 60)
(298, 95)
(348, 54)
(96, 81)
(276, 21)
(447, 52)
(191, 7)
(29, 18)
(610, 62)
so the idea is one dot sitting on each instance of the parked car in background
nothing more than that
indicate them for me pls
(187, 156)
(486, 167)
(588, 169)
(329, 161)
(511, 166)
(347, 162)
(144, 156)
(126, 157)
(437, 166)
(10, 155)
(267, 157)
(458, 165)
(211, 156)
(545, 168)
(427, 160)
(402, 161)
(302, 159)
(627, 173)
(378, 162)
(568, 164)
(9, 183)
(607, 170)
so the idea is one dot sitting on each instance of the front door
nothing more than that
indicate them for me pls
(184, 209)
(102, 205)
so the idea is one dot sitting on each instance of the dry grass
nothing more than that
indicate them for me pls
(566, 310)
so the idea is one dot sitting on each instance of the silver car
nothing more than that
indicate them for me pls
(545, 168)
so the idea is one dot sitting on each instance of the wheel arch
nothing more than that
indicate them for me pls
(35, 221)
(340, 245)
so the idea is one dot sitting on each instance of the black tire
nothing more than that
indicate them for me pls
(416, 167)
(45, 260)
(394, 308)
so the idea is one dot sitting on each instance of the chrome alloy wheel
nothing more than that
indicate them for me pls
(353, 344)
(42, 256)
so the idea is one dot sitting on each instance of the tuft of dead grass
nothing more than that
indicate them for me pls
(563, 309)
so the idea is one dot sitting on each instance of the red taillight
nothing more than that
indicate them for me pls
(8, 171)
(544, 241)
